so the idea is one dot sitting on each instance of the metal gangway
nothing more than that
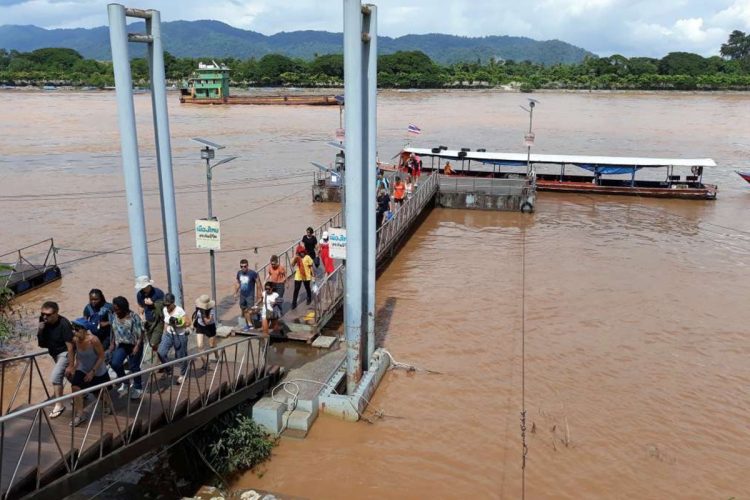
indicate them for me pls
(307, 321)
(41, 457)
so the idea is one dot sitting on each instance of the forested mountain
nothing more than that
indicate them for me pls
(217, 39)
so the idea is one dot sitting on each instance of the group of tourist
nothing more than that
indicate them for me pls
(311, 259)
(111, 334)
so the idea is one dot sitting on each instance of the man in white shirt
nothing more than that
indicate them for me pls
(175, 327)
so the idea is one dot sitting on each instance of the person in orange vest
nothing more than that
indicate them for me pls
(399, 191)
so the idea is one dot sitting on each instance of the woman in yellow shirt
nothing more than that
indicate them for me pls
(303, 274)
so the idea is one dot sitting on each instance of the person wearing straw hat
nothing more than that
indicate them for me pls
(204, 322)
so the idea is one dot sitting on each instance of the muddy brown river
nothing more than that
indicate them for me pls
(636, 335)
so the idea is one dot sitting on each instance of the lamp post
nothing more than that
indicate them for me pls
(208, 153)
(530, 136)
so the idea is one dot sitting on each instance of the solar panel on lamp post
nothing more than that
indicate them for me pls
(208, 153)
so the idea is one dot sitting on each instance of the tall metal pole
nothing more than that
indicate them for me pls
(164, 155)
(528, 154)
(370, 56)
(356, 192)
(212, 256)
(118, 38)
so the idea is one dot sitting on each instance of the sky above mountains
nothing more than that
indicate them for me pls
(628, 27)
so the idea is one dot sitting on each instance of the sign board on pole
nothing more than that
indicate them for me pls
(207, 234)
(340, 134)
(528, 139)
(337, 239)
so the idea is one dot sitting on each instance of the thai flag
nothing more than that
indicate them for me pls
(413, 129)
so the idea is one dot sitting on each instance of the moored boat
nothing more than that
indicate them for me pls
(592, 174)
(744, 175)
(210, 85)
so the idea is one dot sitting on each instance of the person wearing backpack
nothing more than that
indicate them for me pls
(204, 323)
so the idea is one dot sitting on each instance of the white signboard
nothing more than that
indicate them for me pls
(340, 134)
(337, 239)
(528, 139)
(207, 234)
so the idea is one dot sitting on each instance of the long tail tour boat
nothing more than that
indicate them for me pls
(680, 178)
(210, 85)
(744, 175)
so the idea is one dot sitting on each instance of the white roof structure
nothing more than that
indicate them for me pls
(614, 161)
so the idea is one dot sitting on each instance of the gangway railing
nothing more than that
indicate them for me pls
(330, 291)
(22, 382)
(36, 451)
(393, 229)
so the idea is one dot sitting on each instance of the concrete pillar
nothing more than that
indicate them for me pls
(131, 168)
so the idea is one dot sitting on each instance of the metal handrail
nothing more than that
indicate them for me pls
(330, 291)
(287, 256)
(30, 365)
(393, 228)
(251, 362)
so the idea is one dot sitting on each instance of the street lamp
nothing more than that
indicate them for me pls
(529, 138)
(208, 153)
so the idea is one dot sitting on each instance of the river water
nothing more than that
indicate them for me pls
(635, 326)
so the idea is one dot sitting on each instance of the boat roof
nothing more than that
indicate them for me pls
(491, 157)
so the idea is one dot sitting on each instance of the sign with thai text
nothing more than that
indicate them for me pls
(340, 134)
(528, 139)
(337, 239)
(207, 234)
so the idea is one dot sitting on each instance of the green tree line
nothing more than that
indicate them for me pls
(410, 69)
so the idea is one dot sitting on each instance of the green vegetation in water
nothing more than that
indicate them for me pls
(233, 442)
(411, 69)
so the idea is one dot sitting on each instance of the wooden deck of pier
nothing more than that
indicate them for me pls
(306, 321)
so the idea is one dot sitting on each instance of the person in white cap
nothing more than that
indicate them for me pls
(204, 322)
(146, 296)
(325, 254)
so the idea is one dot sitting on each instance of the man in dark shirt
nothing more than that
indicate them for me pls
(146, 296)
(384, 204)
(56, 335)
(310, 242)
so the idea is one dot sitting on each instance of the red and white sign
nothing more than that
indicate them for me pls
(340, 134)
(528, 139)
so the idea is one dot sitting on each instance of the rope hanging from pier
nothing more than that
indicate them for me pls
(524, 446)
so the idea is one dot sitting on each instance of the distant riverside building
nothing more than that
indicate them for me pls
(210, 81)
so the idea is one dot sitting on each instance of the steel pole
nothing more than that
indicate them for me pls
(355, 192)
(118, 38)
(370, 53)
(528, 153)
(211, 255)
(164, 155)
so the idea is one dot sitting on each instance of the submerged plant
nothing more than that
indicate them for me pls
(234, 443)
(240, 447)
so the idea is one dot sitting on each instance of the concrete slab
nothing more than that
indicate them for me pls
(268, 414)
(299, 420)
(324, 342)
(224, 331)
